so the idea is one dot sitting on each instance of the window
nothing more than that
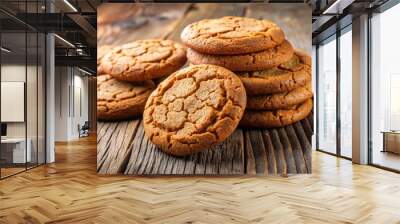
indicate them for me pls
(385, 89)
(22, 75)
(327, 96)
(346, 93)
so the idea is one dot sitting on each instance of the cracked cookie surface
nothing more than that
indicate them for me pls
(290, 75)
(193, 109)
(269, 58)
(276, 118)
(118, 100)
(232, 35)
(101, 52)
(280, 100)
(144, 60)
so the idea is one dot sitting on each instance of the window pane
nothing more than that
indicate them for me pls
(346, 93)
(15, 151)
(327, 97)
(385, 84)
(31, 97)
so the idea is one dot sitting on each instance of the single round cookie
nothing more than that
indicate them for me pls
(266, 59)
(284, 78)
(232, 35)
(276, 118)
(280, 100)
(193, 109)
(101, 52)
(144, 60)
(118, 100)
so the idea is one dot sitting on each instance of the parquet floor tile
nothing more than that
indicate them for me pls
(70, 191)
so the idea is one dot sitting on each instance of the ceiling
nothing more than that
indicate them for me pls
(74, 22)
(332, 15)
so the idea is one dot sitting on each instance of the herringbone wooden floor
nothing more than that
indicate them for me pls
(280, 150)
(70, 191)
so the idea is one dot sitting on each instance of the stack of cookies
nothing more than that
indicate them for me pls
(277, 78)
(126, 75)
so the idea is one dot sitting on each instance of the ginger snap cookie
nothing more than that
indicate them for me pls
(269, 58)
(232, 35)
(280, 100)
(144, 60)
(101, 52)
(276, 118)
(193, 109)
(290, 75)
(117, 100)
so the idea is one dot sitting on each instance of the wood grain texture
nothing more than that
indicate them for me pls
(146, 159)
(116, 146)
(147, 21)
(71, 191)
(274, 151)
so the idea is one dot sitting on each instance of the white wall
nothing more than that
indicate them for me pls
(70, 83)
(12, 73)
(61, 104)
(34, 125)
(79, 117)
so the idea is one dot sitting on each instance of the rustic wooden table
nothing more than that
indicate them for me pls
(122, 146)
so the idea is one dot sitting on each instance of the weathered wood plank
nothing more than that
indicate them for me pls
(112, 20)
(226, 158)
(279, 152)
(103, 143)
(201, 163)
(287, 149)
(159, 162)
(119, 148)
(250, 160)
(101, 130)
(135, 158)
(296, 150)
(164, 163)
(305, 145)
(257, 144)
(148, 158)
(153, 21)
(179, 166)
(308, 129)
(232, 154)
(190, 165)
(213, 159)
(169, 165)
(238, 157)
(269, 150)
(310, 119)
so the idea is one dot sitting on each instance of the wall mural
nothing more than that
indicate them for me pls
(204, 89)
